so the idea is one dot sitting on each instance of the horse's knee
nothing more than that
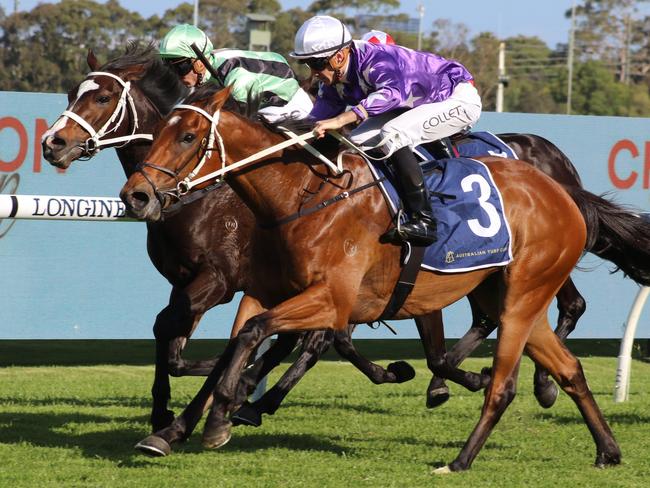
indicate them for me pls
(251, 332)
(502, 395)
(342, 344)
(571, 378)
(317, 343)
(175, 367)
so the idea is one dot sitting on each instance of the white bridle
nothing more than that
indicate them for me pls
(96, 141)
(189, 182)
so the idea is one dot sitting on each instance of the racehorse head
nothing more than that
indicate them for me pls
(188, 144)
(116, 105)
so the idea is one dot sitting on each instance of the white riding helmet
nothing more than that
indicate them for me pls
(319, 37)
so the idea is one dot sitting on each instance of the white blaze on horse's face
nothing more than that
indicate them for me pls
(57, 126)
(174, 120)
(84, 87)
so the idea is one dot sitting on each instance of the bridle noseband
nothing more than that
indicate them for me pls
(96, 141)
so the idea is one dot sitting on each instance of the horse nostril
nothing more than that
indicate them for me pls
(59, 141)
(139, 200)
(54, 142)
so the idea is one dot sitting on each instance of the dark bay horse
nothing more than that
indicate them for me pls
(306, 280)
(205, 264)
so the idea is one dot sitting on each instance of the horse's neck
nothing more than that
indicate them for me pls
(134, 152)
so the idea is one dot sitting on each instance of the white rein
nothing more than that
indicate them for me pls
(188, 182)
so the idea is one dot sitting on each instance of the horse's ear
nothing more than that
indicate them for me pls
(219, 98)
(136, 71)
(91, 59)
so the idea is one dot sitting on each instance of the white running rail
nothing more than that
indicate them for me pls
(622, 385)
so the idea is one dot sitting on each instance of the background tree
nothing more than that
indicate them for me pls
(351, 11)
(45, 49)
(531, 69)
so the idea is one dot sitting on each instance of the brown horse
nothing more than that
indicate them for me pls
(308, 279)
(206, 266)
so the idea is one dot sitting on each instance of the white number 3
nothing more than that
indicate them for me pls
(493, 216)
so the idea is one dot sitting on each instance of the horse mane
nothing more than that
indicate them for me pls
(207, 90)
(159, 83)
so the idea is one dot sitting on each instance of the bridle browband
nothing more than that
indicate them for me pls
(96, 141)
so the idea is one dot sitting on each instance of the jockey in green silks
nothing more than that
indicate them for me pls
(262, 76)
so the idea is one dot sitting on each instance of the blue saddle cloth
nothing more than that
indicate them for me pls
(472, 229)
(475, 144)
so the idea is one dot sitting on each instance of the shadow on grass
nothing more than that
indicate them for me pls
(135, 402)
(612, 418)
(50, 430)
(335, 406)
(53, 430)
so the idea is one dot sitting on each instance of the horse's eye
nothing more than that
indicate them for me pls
(103, 99)
(188, 137)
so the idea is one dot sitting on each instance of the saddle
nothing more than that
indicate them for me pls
(466, 144)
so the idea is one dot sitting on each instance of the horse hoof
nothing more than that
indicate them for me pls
(437, 397)
(546, 394)
(246, 415)
(402, 370)
(443, 470)
(604, 460)
(154, 446)
(216, 438)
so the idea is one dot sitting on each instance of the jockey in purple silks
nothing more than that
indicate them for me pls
(399, 98)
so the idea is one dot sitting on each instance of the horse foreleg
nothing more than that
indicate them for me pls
(310, 310)
(547, 349)
(314, 345)
(571, 305)
(159, 443)
(397, 372)
(173, 327)
(171, 330)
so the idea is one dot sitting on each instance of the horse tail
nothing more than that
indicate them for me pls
(616, 233)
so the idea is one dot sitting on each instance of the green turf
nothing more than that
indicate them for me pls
(76, 425)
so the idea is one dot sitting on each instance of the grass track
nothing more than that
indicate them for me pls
(76, 425)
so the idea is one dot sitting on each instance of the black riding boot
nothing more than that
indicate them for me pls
(420, 229)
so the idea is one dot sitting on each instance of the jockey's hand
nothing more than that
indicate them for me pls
(337, 122)
(322, 126)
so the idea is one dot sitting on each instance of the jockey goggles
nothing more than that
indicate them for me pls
(181, 66)
(316, 64)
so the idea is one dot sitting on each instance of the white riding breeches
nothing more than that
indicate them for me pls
(393, 130)
(297, 108)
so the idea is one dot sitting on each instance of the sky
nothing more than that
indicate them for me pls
(503, 17)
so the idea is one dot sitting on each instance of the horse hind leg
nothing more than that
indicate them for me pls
(314, 345)
(571, 305)
(396, 372)
(499, 394)
(546, 349)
